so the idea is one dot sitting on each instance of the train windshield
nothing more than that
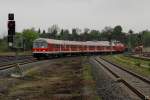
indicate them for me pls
(40, 45)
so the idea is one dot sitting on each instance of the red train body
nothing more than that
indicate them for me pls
(43, 47)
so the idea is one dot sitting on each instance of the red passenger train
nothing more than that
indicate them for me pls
(43, 47)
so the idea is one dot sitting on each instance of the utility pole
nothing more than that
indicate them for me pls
(110, 42)
(129, 43)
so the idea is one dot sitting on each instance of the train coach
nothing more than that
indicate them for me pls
(43, 47)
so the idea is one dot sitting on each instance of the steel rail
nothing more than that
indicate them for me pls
(14, 64)
(130, 72)
(137, 92)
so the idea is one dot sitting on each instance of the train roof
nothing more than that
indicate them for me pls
(89, 43)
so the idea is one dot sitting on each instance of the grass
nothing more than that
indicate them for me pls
(89, 82)
(137, 65)
(87, 73)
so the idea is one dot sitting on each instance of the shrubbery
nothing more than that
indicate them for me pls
(149, 66)
(138, 63)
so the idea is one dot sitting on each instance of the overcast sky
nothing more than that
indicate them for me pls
(93, 14)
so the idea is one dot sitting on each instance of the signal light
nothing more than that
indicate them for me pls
(11, 28)
(11, 16)
(11, 25)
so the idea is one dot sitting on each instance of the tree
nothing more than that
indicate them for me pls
(86, 30)
(106, 33)
(4, 45)
(132, 39)
(117, 30)
(85, 35)
(53, 30)
(74, 34)
(43, 32)
(94, 35)
(131, 31)
(64, 35)
(29, 35)
(146, 38)
(117, 33)
(139, 39)
(107, 30)
(39, 31)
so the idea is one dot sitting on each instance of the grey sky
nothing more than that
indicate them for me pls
(93, 14)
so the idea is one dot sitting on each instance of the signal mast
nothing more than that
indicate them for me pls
(11, 29)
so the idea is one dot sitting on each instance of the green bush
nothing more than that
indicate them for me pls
(149, 66)
(138, 63)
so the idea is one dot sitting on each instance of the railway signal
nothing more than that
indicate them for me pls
(11, 29)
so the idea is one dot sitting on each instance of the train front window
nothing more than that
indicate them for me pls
(40, 45)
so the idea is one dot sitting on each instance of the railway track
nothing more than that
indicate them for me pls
(5, 65)
(138, 84)
(13, 58)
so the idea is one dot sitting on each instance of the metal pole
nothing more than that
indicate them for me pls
(129, 43)
(111, 46)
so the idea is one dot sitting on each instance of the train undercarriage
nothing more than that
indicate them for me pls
(54, 55)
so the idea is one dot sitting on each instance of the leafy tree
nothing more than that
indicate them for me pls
(4, 45)
(53, 31)
(43, 32)
(117, 33)
(39, 31)
(107, 30)
(29, 35)
(64, 35)
(74, 34)
(131, 31)
(134, 40)
(117, 30)
(107, 33)
(94, 35)
(146, 38)
(85, 35)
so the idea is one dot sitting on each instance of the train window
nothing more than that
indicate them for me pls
(99, 47)
(67, 46)
(80, 46)
(72, 46)
(57, 46)
(92, 46)
(61, 46)
(108, 47)
(40, 45)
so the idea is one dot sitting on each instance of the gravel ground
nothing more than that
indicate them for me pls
(8, 72)
(140, 85)
(107, 87)
(58, 79)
